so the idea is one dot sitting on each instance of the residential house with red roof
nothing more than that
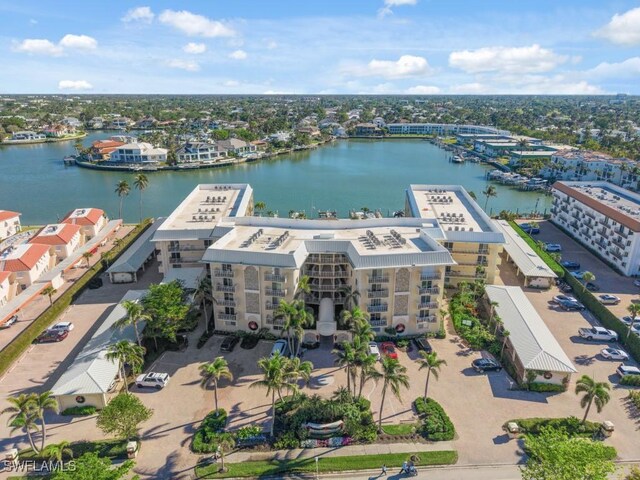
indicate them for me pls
(9, 223)
(101, 149)
(64, 238)
(91, 220)
(28, 262)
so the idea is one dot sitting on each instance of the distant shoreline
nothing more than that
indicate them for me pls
(45, 140)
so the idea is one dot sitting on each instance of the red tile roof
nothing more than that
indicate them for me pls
(4, 276)
(6, 215)
(91, 217)
(62, 237)
(28, 259)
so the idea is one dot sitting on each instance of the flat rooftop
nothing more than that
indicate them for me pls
(450, 206)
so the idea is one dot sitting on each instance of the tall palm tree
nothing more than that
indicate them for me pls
(432, 363)
(354, 317)
(87, 256)
(122, 190)
(126, 352)
(212, 372)
(296, 370)
(594, 392)
(203, 293)
(286, 311)
(49, 292)
(634, 310)
(135, 314)
(41, 403)
(303, 287)
(505, 335)
(22, 416)
(368, 371)
(260, 206)
(303, 317)
(351, 296)
(363, 330)
(57, 451)
(489, 192)
(274, 380)
(394, 376)
(140, 182)
(345, 357)
(586, 278)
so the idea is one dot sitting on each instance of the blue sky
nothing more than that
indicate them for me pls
(329, 46)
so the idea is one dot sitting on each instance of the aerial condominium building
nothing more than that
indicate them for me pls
(399, 266)
(602, 216)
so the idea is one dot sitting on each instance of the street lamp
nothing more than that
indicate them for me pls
(316, 468)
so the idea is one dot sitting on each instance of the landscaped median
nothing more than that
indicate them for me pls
(327, 464)
(17, 347)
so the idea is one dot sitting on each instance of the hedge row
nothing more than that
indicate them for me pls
(436, 424)
(545, 387)
(17, 347)
(553, 265)
(572, 425)
(81, 410)
(630, 380)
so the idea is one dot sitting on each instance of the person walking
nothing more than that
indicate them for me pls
(404, 468)
(384, 470)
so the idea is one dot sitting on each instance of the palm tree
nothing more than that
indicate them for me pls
(432, 363)
(345, 357)
(41, 403)
(22, 416)
(351, 296)
(122, 190)
(273, 380)
(354, 317)
(634, 310)
(296, 370)
(394, 376)
(286, 311)
(557, 257)
(49, 292)
(126, 352)
(135, 314)
(489, 192)
(594, 392)
(202, 294)
(212, 372)
(302, 288)
(363, 331)
(140, 182)
(117, 243)
(224, 443)
(586, 278)
(505, 335)
(260, 206)
(303, 317)
(56, 451)
(368, 371)
(87, 256)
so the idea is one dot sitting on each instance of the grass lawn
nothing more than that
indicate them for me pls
(113, 449)
(399, 429)
(325, 464)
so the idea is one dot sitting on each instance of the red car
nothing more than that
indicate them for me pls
(50, 336)
(388, 349)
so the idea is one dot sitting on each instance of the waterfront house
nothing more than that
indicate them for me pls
(28, 262)
(72, 122)
(121, 123)
(311, 131)
(199, 151)
(96, 123)
(58, 130)
(102, 149)
(9, 223)
(64, 238)
(147, 122)
(139, 152)
(27, 136)
(280, 137)
(236, 147)
(260, 145)
(91, 221)
(5, 287)
(367, 130)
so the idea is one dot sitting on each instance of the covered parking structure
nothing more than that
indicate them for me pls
(92, 378)
(534, 271)
(125, 269)
(530, 346)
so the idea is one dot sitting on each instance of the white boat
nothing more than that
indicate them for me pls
(457, 159)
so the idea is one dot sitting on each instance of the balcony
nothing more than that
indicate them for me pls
(602, 231)
(225, 288)
(378, 279)
(227, 316)
(377, 308)
(324, 288)
(426, 319)
(619, 255)
(271, 306)
(428, 290)
(377, 293)
(471, 263)
(226, 303)
(428, 305)
(619, 244)
(465, 275)
(573, 224)
(223, 273)
(430, 276)
(270, 292)
(274, 277)
(590, 215)
(604, 222)
(378, 323)
(325, 274)
(619, 231)
(186, 248)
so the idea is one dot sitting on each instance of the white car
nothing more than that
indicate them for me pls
(635, 328)
(280, 347)
(61, 327)
(623, 370)
(152, 380)
(577, 274)
(374, 350)
(598, 333)
(628, 320)
(637, 282)
(614, 354)
(607, 299)
(563, 298)
(553, 247)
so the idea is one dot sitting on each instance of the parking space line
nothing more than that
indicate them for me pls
(159, 359)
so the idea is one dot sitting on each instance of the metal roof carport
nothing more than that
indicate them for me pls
(125, 268)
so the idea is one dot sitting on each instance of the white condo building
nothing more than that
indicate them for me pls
(400, 266)
(603, 217)
(441, 129)
(140, 152)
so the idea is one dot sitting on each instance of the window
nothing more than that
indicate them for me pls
(207, 243)
(226, 267)
(227, 282)
(376, 302)
(448, 245)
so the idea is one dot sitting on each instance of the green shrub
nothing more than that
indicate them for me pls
(545, 387)
(635, 398)
(462, 307)
(403, 343)
(630, 380)
(248, 432)
(572, 425)
(211, 431)
(286, 441)
(436, 424)
(555, 266)
(80, 410)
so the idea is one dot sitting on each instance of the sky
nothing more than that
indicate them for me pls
(321, 47)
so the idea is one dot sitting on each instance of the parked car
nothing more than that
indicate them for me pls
(627, 320)
(95, 283)
(13, 319)
(482, 365)
(152, 380)
(592, 287)
(571, 306)
(569, 265)
(62, 327)
(565, 287)
(50, 336)
(598, 333)
(280, 347)
(229, 343)
(607, 299)
(422, 344)
(388, 349)
(553, 247)
(374, 350)
(528, 228)
(637, 282)
(623, 370)
(614, 354)
(635, 329)
(578, 274)
(563, 298)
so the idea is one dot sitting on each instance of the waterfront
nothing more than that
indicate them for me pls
(339, 176)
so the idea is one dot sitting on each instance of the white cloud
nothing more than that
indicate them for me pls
(527, 85)
(388, 4)
(139, 14)
(80, 42)
(38, 46)
(629, 68)
(272, 44)
(195, 48)
(623, 29)
(422, 90)
(74, 85)
(188, 65)
(533, 59)
(238, 55)
(469, 88)
(231, 83)
(195, 25)
(33, 21)
(405, 66)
